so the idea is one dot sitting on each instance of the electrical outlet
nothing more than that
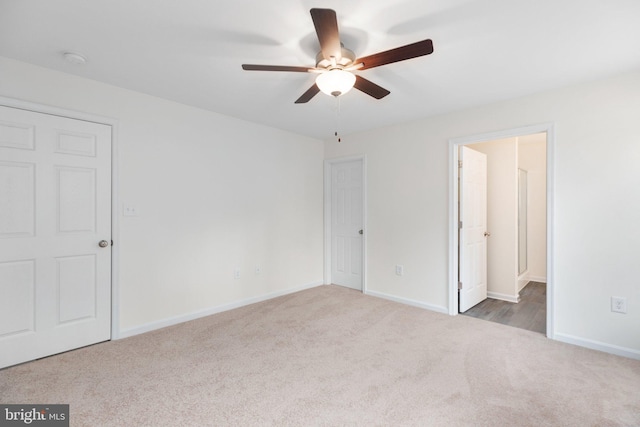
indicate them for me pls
(618, 304)
(236, 273)
(399, 270)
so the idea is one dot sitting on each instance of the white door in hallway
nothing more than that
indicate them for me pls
(473, 230)
(347, 224)
(55, 209)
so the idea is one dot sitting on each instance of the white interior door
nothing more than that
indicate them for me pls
(55, 208)
(473, 218)
(347, 224)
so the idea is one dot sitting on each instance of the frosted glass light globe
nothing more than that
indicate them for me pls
(335, 82)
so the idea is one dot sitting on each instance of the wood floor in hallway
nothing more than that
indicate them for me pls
(530, 313)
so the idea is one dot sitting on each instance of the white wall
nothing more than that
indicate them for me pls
(532, 158)
(597, 150)
(502, 204)
(214, 193)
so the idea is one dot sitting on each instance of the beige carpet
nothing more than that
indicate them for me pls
(331, 356)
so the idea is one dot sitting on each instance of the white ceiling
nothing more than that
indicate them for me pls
(190, 51)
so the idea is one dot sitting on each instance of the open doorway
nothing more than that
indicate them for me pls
(517, 234)
(516, 217)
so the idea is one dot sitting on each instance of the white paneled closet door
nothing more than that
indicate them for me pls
(346, 224)
(55, 234)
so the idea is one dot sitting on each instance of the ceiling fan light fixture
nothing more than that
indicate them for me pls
(335, 63)
(335, 82)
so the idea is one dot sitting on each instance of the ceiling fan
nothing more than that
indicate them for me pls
(335, 63)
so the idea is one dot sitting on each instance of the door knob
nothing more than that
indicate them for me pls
(103, 243)
(487, 234)
(361, 232)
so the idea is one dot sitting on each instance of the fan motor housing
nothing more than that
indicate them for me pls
(347, 59)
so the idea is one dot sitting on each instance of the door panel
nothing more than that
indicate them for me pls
(55, 199)
(473, 216)
(76, 144)
(17, 195)
(17, 135)
(18, 296)
(346, 223)
(76, 200)
(76, 288)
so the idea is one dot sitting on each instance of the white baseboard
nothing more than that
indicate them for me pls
(597, 345)
(151, 326)
(540, 279)
(504, 297)
(407, 301)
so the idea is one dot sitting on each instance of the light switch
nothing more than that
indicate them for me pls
(130, 210)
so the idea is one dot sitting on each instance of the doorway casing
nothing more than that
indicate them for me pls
(328, 164)
(454, 145)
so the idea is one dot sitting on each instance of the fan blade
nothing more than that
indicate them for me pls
(413, 50)
(370, 88)
(254, 67)
(310, 93)
(326, 25)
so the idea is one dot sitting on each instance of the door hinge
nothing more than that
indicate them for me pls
(459, 163)
(459, 225)
(459, 285)
(112, 243)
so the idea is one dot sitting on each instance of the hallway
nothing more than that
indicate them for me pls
(530, 313)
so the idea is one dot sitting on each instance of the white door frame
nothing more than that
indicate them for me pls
(328, 164)
(453, 211)
(115, 260)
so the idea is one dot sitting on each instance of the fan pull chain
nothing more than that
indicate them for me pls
(338, 119)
